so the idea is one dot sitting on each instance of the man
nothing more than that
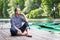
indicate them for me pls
(16, 24)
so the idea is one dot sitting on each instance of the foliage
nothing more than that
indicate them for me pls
(47, 6)
(51, 8)
(35, 13)
(31, 5)
(3, 9)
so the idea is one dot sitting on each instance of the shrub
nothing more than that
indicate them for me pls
(35, 13)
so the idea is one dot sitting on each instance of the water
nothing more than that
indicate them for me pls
(46, 26)
(50, 26)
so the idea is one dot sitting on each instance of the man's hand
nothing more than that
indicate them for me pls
(19, 32)
(26, 20)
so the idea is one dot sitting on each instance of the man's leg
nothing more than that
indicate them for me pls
(23, 28)
(27, 28)
(13, 31)
(28, 33)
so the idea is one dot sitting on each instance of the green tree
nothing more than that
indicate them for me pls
(20, 3)
(31, 5)
(55, 8)
(35, 13)
(47, 6)
(58, 9)
(11, 6)
(3, 9)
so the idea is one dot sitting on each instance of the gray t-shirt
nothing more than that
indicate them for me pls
(17, 21)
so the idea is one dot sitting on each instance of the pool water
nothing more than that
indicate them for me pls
(51, 27)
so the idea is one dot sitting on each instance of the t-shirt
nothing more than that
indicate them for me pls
(17, 21)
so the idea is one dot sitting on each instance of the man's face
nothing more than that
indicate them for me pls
(18, 11)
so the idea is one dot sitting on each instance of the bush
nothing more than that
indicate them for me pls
(35, 13)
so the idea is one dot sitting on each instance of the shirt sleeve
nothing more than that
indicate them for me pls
(23, 18)
(12, 23)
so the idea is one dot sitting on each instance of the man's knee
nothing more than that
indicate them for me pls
(13, 31)
(26, 24)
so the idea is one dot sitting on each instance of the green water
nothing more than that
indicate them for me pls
(51, 27)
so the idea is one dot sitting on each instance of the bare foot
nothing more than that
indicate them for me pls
(20, 34)
(28, 35)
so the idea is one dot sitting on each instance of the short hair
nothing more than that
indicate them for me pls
(16, 9)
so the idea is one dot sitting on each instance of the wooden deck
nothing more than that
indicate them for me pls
(36, 35)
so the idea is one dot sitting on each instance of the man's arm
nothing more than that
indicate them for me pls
(13, 24)
(24, 18)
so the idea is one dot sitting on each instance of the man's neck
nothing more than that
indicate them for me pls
(17, 15)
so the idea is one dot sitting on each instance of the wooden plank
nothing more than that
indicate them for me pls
(36, 35)
(1, 38)
(6, 35)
